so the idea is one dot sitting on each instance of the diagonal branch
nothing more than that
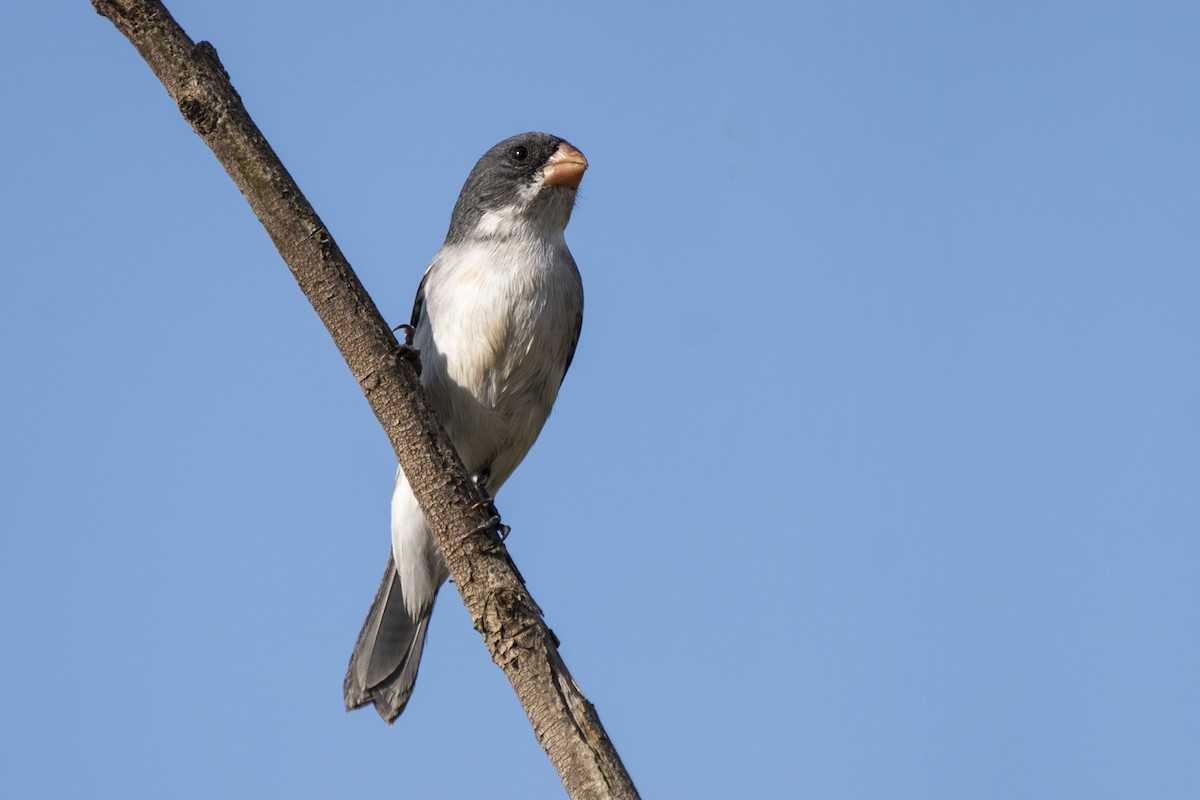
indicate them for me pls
(503, 612)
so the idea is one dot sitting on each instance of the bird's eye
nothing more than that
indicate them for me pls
(519, 152)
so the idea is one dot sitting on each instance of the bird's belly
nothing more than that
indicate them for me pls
(492, 418)
(493, 383)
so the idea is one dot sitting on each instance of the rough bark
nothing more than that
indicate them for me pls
(504, 613)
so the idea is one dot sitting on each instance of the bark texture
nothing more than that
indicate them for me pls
(504, 613)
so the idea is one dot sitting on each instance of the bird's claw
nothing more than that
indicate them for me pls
(485, 504)
(409, 330)
(493, 525)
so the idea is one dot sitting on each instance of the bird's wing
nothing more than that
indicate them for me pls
(419, 300)
(574, 342)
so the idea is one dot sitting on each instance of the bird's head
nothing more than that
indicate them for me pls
(524, 185)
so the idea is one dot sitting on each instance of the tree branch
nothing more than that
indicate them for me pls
(503, 612)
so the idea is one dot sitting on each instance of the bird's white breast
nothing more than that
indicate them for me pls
(499, 321)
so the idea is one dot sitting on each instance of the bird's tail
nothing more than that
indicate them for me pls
(383, 666)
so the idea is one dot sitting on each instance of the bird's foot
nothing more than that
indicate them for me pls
(485, 503)
(409, 330)
(405, 350)
(492, 525)
(494, 522)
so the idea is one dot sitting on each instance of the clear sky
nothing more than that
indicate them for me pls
(877, 473)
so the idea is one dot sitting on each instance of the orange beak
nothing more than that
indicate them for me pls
(565, 167)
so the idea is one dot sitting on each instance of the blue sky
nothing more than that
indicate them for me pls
(876, 473)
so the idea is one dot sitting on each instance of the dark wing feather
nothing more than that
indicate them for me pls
(419, 302)
(574, 342)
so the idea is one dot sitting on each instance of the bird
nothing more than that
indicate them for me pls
(495, 322)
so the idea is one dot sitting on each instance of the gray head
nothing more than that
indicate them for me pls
(524, 184)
